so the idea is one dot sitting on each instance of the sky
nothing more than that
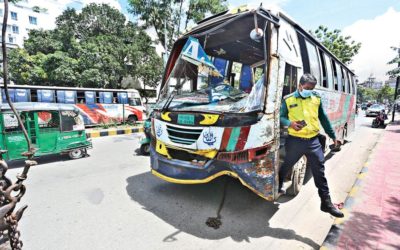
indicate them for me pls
(374, 23)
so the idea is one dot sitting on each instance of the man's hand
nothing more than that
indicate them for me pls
(296, 126)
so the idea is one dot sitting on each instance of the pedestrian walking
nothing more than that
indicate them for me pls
(302, 112)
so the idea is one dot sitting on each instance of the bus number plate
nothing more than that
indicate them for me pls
(186, 119)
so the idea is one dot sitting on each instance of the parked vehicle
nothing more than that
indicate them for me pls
(379, 120)
(52, 129)
(218, 108)
(146, 140)
(97, 106)
(374, 109)
(364, 106)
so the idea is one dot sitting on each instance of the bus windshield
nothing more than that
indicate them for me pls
(222, 72)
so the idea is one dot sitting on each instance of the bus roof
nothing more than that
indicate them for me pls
(209, 23)
(39, 106)
(15, 86)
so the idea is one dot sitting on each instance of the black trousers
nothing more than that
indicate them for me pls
(297, 147)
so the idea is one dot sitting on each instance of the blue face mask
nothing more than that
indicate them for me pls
(306, 93)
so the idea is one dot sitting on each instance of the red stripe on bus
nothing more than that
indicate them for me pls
(244, 132)
(225, 138)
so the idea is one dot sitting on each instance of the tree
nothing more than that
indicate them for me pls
(385, 93)
(396, 71)
(169, 13)
(366, 94)
(339, 45)
(87, 49)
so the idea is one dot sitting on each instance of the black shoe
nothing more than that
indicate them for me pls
(328, 207)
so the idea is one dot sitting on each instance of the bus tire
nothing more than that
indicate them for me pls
(132, 119)
(298, 173)
(76, 153)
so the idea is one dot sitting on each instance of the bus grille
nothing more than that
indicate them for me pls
(183, 135)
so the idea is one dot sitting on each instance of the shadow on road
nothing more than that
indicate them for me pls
(41, 160)
(187, 207)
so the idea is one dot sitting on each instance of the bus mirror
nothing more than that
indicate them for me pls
(256, 34)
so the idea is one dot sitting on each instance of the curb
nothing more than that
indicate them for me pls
(335, 231)
(111, 132)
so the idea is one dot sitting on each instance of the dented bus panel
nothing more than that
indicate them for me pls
(218, 108)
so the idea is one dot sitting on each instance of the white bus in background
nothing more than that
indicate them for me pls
(97, 106)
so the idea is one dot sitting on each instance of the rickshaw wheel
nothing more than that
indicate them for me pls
(299, 171)
(145, 149)
(76, 153)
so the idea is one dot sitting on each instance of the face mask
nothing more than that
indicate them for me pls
(306, 93)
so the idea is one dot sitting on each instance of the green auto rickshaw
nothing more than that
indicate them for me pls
(52, 129)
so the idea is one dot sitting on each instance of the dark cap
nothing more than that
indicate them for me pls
(308, 78)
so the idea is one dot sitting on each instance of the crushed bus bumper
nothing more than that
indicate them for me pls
(257, 175)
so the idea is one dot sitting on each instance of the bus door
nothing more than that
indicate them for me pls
(47, 129)
(13, 139)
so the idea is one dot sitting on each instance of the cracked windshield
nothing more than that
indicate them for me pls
(200, 82)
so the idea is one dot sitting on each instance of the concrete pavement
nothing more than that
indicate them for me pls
(372, 209)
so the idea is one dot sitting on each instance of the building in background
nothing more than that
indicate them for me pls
(26, 15)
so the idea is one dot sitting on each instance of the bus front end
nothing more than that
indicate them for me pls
(210, 117)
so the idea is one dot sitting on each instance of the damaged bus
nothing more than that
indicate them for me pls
(218, 108)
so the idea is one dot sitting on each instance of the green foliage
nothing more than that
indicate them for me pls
(169, 13)
(396, 71)
(385, 93)
(341, 46)
(88, 49)
(366, 94)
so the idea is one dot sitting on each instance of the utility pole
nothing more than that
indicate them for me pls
(397, 85)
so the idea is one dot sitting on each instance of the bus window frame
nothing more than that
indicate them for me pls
(314, 47)
(323, 69)
(330, 83)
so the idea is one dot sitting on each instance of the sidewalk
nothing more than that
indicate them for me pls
(372, 209)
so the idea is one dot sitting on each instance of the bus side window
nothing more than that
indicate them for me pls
(329, 73)
(122, 97)
(335, 76)
(323, 67)
(339, 77)
(46, 95)
(80, 97)
(22, 95)
(343, 80)
(352, 84)
(350, 87)
(11, 93)
(290, 79)
(90, 97)
(314, 61)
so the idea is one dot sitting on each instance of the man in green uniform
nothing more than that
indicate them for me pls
(302, 112)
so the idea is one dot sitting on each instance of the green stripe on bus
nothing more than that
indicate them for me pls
(233, 139)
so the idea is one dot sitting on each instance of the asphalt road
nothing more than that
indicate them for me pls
(111, 201)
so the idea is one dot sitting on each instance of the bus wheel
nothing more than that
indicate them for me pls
(132, 119)
(299, 171)
(76, 153)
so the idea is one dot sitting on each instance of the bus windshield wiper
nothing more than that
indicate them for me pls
(168, 102)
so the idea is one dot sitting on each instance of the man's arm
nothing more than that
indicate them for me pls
(326, 124)
(284, 114)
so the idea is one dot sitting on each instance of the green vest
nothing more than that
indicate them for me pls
(304, 109)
